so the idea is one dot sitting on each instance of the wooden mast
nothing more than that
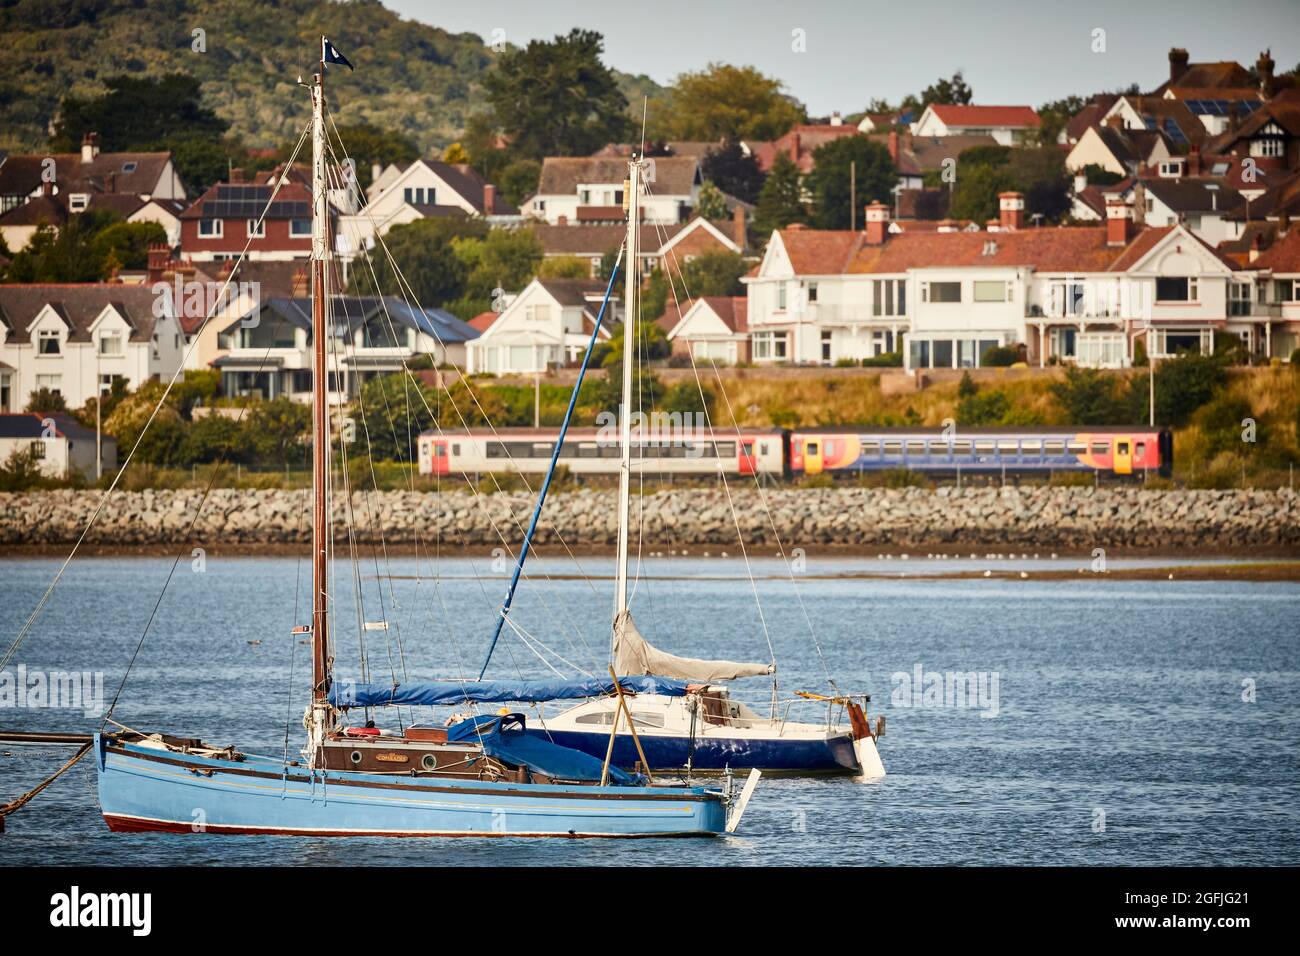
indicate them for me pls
(320, 532)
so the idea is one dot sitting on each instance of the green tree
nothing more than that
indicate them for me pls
(950, 92)
(65, 254)
(1089, 396)
(711, 204)
(425, 255)
(127, 243)
(556, 98)
(1039, 172)
(830, 181)
(518, 180)
(564, 267)
(44, 401)
(714, 273)
(730, 102)
(734, 171)
(780, 202)
(279, 432)
(975, 193)
(367, 144)
(1183, 384)
(136, 112)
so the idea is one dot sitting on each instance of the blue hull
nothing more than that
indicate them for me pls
(791, 756)
(146, 789)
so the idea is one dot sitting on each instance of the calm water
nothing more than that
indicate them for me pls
(1116, 700)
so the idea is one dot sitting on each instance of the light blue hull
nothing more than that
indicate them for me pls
(142, 789)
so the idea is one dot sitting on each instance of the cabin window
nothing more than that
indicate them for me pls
(604, 717)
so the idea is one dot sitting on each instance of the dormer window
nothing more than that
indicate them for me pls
(49, 342)
(128, 168)
(77, 202)
(110, 343)
(1171, 169)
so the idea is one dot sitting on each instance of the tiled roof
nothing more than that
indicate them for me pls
(958, 115)
(1283, 256)
(733, 310)
(469, 185)
(42, 209)
(561, 175)
(483, 321)
(572, 291)
(32, 425)
(800, 143)
(79, 304)
(1224, 73)
(1194, 195)
(1089, 115)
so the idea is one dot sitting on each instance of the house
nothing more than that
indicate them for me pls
(76, 339)
(231, 217)
(799, 144)
(1280, 267)
(1008, 125)
(590, 189)
(20, 223)
(1270, 135)
(268, 352)
(1082, 294)
(711, 329)
(422, 189)
(209, 303)
(547, 325)
(1202, 203)
(79, 176)
(1088, 202)
(1169, 116)
(1088, 116)
(660, 246)
(914, 156)
(59, 444)
(1118, 150)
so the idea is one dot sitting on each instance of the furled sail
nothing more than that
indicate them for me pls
(633, 654)
(348, 693)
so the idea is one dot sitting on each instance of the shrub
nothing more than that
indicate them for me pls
(1220, 422)
(1088, 396)
(884, 360)
(1001, 356)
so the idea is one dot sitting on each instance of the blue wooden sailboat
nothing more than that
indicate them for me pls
(481, 776)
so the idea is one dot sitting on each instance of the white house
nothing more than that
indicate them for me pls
(268, 352)
(422, 189)
(57, 443)
(75, 339)
(547, 325)
(1006, 124)
(1082, 295)
(590, 189)
(711, 329)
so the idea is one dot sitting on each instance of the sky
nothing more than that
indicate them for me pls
(1010, 51)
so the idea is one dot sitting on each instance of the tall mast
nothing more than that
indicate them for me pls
(320, 543)
(633, 275)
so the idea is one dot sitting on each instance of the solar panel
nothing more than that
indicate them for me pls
(1173, 132)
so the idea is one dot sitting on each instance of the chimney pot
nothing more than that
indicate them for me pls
(489, 199)
(1178, 61)
(893, 146)
(877, 221)
(1011, 210)
(1119, 222)
(89, 147)
(739, 234)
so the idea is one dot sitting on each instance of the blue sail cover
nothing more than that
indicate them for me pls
(348, 693)
(507, 739)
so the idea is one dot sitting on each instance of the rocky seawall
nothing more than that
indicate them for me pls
(1064, 519)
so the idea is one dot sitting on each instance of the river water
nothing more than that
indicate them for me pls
(1120, 722)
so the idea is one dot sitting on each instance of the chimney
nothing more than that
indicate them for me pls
(739, 234)
(794, 146)
(110, 181)
(237, 174)
(877, 218)
(89, 147)
(562, 221)
(1011, 210)
(1119, 222)
(947, 225)
(893, 146)
(1177, 64)
(1115, 122)
(836, 119)
(1264, 69)
(489, 199)
(1194, 162)
(159, 255)
(47, 188)
(993, 225)
(1080, 182)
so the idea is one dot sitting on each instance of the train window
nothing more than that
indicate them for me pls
(811, 448)
(1032, 446)
(455, 449)
(1121, 447)
(916, 447)
(960, 447)
(1100, 447)
(1008, 446)
(541, 449)
(588, 449)
(725, 449)
(496, 450)
(871, 448)
(611, 451)
(893, 447)
(984, 446)
(762, 448)
(1077, 448)
(439, 451)
(1140, 449)
(1054, 446)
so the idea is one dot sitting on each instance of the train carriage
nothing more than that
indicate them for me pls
(591, 451)
(1119, 451)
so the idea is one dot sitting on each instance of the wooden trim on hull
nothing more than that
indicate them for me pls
(118, 823)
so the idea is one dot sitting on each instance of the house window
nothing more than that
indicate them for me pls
(1266, 148)
(420, 195)
(812, 291)
(77, 202)
(780, 296)
(992, 291)
(539, 313)
(256, 229)
(38, 450)
(211, 228)
(1176, 289)
(941, 292)
(1066, 298)
(1285, 290)
(889, 297)
(826, 347)
(1239, 298)
(769, 345)
(298, 228)
(128, 168)
(110, 343)
(48, 342)
(52, 382)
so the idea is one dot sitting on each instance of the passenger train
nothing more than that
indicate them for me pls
(788, 453)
